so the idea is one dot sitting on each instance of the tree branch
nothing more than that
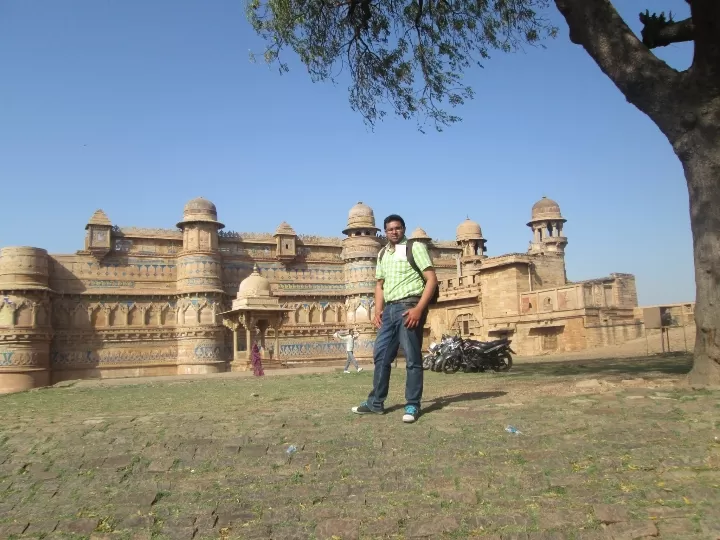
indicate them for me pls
(658, 32)
(706, 61)
(646, 81)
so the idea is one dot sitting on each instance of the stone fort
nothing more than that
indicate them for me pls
(192, 299)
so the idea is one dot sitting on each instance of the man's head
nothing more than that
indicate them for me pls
(394, 228)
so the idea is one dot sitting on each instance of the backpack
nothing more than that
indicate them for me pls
(413, 264)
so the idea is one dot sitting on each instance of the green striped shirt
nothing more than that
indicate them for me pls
(400, 279)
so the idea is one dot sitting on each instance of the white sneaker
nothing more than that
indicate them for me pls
(346, 371)
(359, 370)
(411, 414)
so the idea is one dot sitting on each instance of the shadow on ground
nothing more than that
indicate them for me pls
(667, 364)
(442, 402)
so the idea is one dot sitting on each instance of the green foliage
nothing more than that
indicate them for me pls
(406, 55)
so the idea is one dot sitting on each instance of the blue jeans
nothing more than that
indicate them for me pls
(351, 358)
(390, 336)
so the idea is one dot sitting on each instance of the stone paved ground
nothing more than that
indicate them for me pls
(597, 457)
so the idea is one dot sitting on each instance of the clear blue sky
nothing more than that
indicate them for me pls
(136, 106)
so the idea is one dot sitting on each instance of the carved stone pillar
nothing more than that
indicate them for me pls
(276, 328)
(233, 326)
(234, 344)
(235, 363)
(262, 326)
(249, 324)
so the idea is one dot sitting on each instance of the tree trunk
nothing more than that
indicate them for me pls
(686, 108)
(700, 156)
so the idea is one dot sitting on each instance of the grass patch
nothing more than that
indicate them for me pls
(456, 463)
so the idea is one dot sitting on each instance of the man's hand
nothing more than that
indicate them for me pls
(377, 319)
(412, 317)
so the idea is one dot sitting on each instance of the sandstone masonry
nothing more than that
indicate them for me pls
(137, 302)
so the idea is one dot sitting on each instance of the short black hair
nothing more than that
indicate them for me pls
(393, 217)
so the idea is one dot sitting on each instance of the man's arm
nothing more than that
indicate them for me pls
(424, 263)
(414, 314)
(431, 282)
(379, 303)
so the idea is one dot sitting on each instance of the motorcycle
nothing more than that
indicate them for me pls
(450, 351)
(484, 355)
(454, 353)
(438, 351)
(431, 356)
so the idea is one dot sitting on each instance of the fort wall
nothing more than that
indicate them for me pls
(137, 302)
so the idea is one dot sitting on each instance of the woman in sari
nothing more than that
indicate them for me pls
(256, 361)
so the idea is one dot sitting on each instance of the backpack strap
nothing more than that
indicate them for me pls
(381, 253)
(413, 264)
(411, 258)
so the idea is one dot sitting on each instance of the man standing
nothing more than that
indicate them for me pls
(349, 340)
(402, 296)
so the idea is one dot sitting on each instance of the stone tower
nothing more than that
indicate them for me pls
(201, 338)
(548, 244)
(546, 223)
(25, 323)
(360, 250)
(470, 238)
(420, 235)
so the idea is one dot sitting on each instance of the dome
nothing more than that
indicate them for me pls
(284, 228)
(200, 209)
(361, 216)
(468, 230)
(254, 285)
(361, 209)
(419, 234)
(546, 209)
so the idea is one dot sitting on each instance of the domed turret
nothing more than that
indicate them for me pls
(200, 210)
(199, 264)
(420, 234)
(360, 250)
(546, 209)
(468, 230)
(254, 285)
(361, 216)
(546, 223)
(469, 235)
(254, 293)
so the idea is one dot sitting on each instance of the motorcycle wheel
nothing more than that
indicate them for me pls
(452, 364)
(427, 362)
(440, 366)
(504, 363)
